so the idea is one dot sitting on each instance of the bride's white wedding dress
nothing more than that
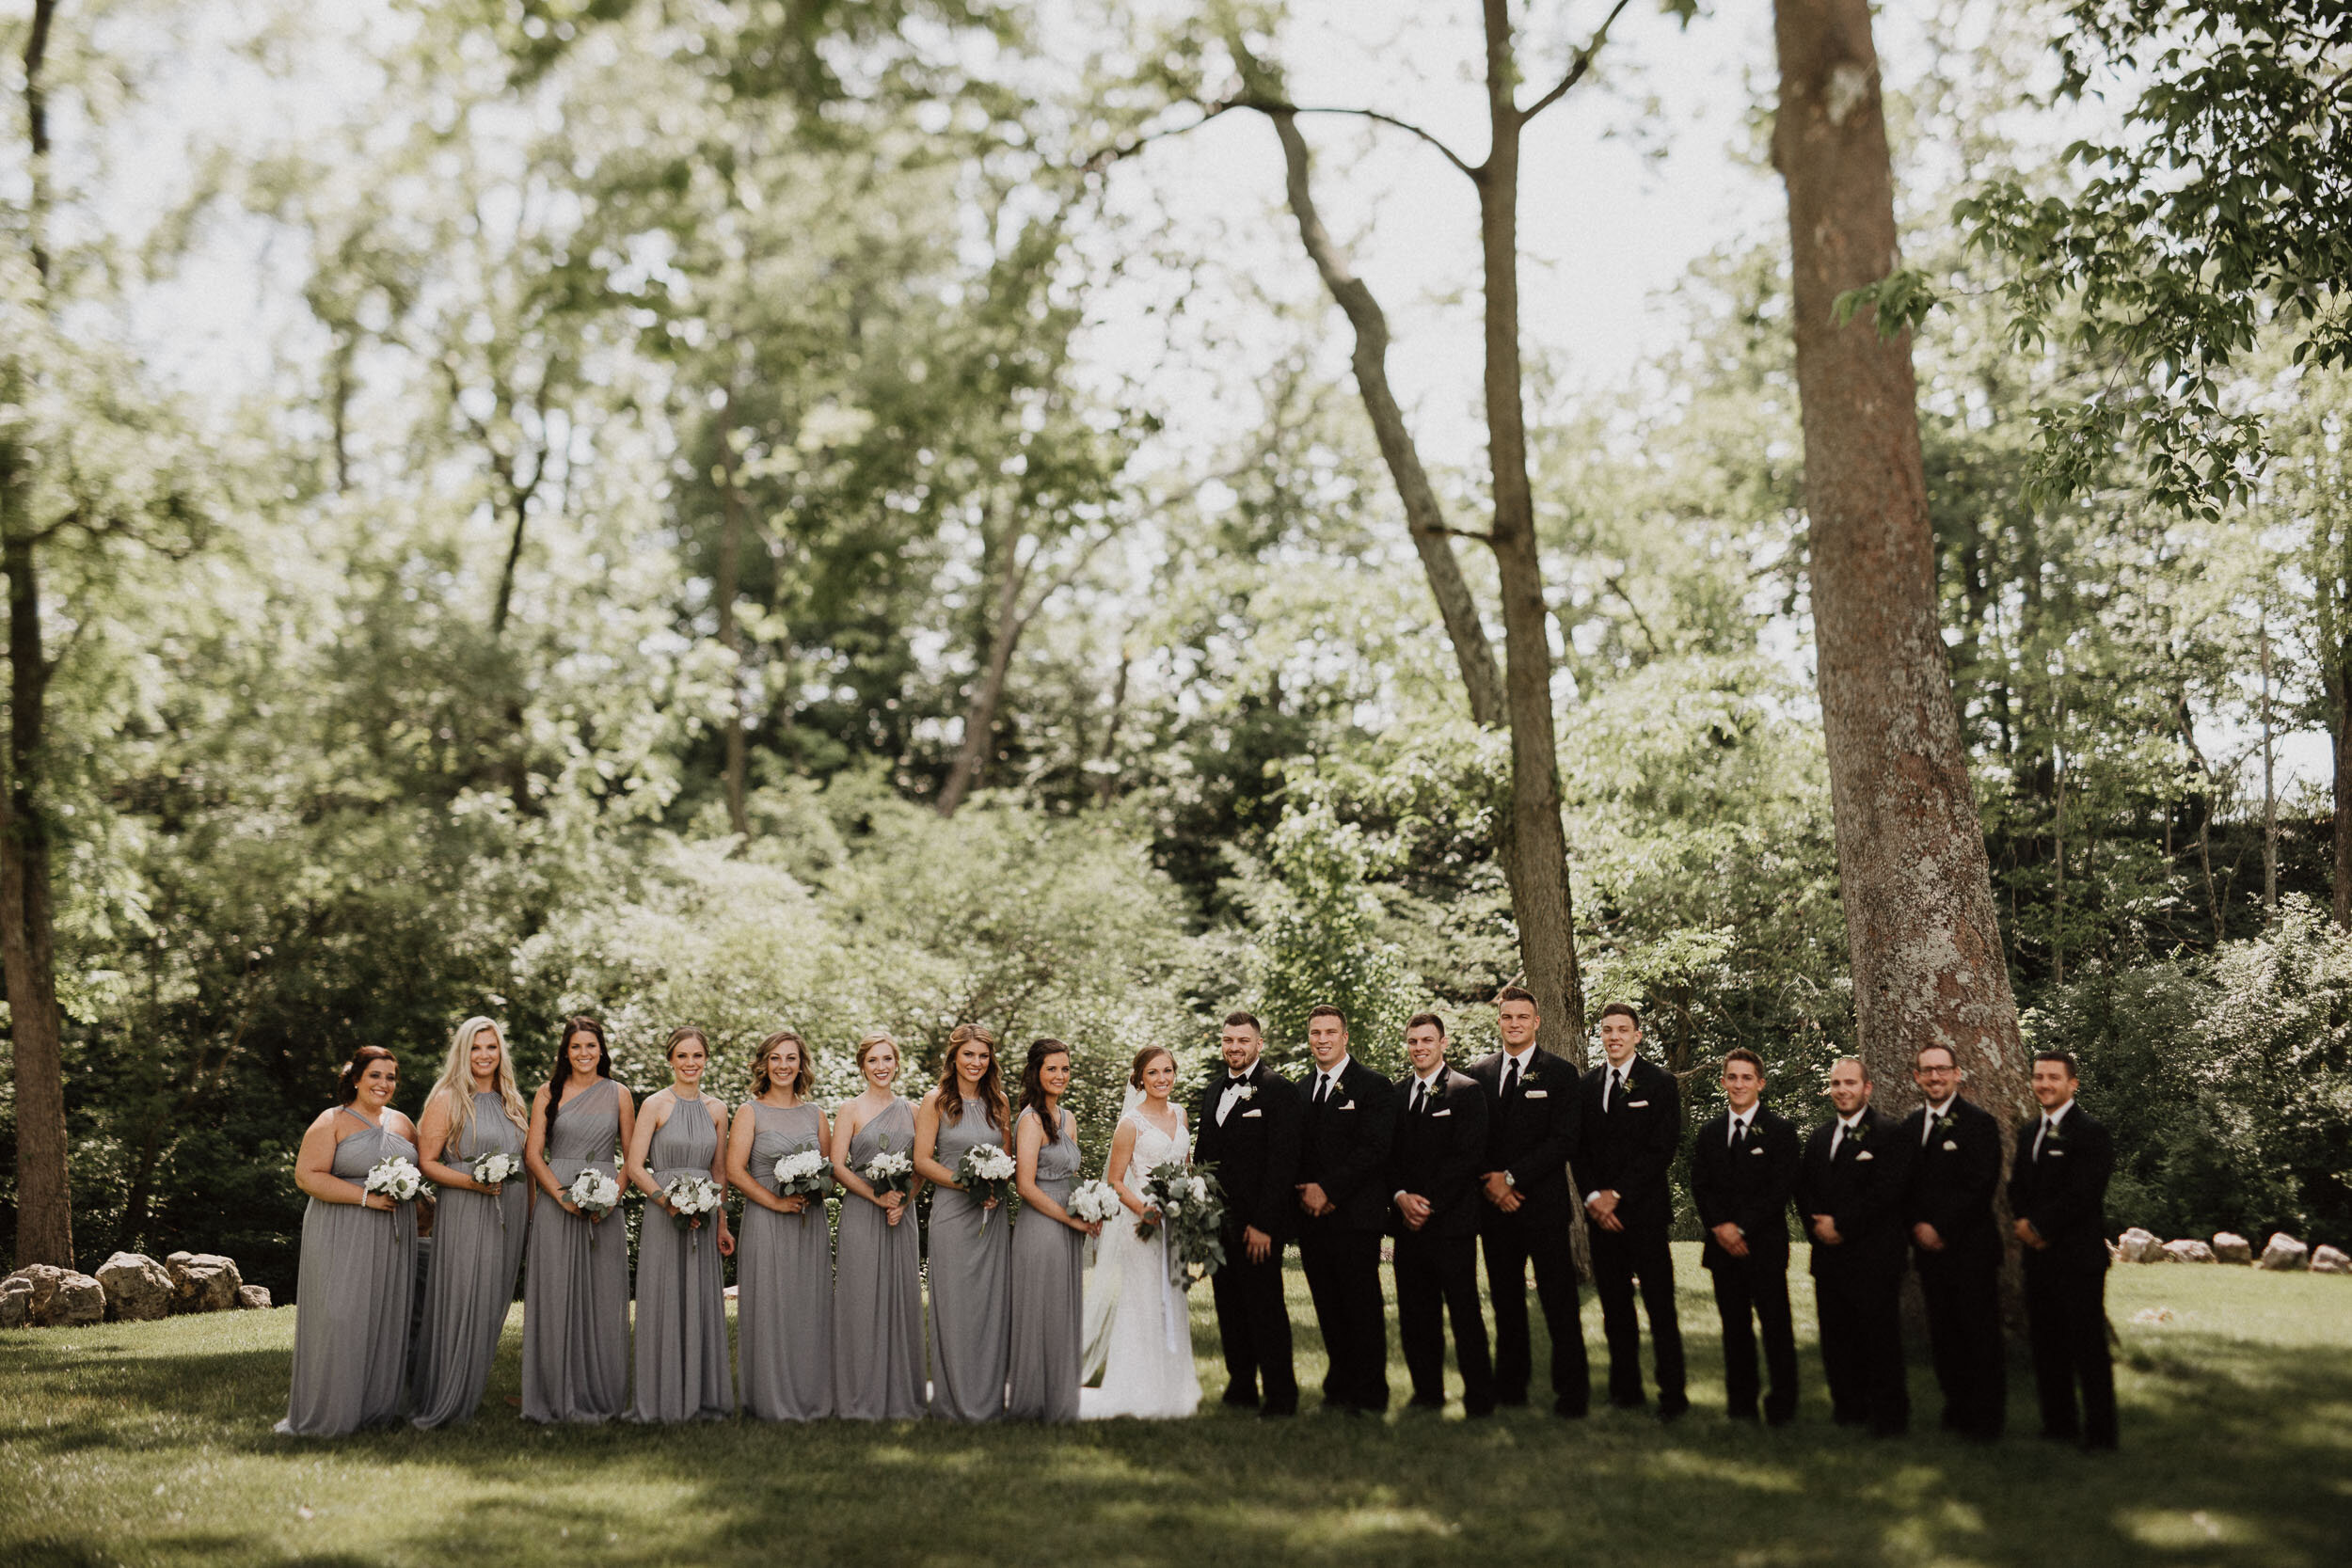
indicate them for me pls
(1138, 1334)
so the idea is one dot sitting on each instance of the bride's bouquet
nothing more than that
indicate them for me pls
(801, 1175)
(985, 1172)
(1192, 1207)
(1093, 1203)
(396, 1177)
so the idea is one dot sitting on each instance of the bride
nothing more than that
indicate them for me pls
(1139, 1335)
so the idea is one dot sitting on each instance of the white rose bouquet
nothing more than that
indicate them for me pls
(690, 1198)
(1192, 1207)
(986, 1172)
(1093, 1203)
(889, 1172)
(595, 1194)
(495, 1168)
(803, 1175)
(395, 1177)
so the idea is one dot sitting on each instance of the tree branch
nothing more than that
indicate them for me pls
(1577, 67)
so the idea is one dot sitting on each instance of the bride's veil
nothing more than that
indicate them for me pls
(1102, 1282)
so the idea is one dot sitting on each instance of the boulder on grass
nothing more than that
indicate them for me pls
(60, 1298)
(2140, 1246)
(139, 1290)
(202, 1282)
(2282, 1252)
(16, 1302)
(2328, 1260)
(2188, 1252)
(2230, 1247)
(254, 1296)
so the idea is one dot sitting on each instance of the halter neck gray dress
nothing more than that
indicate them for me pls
(682, 1371)
(352, 1297)
(576, 1295)
(784, 1281)
(877, 1291)
(971, 1274)
(1048, 1272)
(477, 1246)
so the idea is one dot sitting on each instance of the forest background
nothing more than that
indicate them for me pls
(761, 514)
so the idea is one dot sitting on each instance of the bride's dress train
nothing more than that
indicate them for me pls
(1139, 1333)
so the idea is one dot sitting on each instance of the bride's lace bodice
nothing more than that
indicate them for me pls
(1154, 1148)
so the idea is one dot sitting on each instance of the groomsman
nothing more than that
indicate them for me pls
(1248, 1121)
(1434, 1173)
(1850, 1189)
(1955, 1245)
(1632, 1121)
(2058, 1189)
(1528, 1207)
(1343, 1142)
(1743, 1170)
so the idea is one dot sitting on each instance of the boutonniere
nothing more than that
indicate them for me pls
(1855, 1133)
(1246, 1091)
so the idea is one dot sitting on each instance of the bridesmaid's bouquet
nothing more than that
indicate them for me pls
(594, 1194)
(690, 1198)
(985, 1172)
(801, 1175)
(396, 1177)
(1193, 1209)
(497, 1168)
(1093, 1203)
(887, 1172)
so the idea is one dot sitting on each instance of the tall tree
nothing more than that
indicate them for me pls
(1925, 946)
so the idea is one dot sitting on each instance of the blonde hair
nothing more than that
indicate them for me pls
(457, 1078)
(802, 1079)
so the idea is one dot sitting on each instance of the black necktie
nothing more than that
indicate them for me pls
(1421, 1096)
(1617, 1092)
(1739, 1134)
(1510, 1076)
(1323, 1087)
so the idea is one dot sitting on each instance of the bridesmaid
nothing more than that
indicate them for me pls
(971, 1243)
(1048, 1246)
(784, 1260)
(878, 1296)
(358, 1260)
(478, 1233)
(682, 1371)
(575, 1293)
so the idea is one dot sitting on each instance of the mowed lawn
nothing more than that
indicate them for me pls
(150, 1444)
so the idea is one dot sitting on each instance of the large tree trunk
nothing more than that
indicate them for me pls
(1926, 948)
(730, 636)
(979, 713)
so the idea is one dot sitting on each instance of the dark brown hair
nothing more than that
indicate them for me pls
(802, 1077)
(1935, 1045)
(1515, 994)
(1741, 1054)
(347, 1084)
(1144, 1058)
(1624, 1008)
(1241, 1020)
(1033, 1095)
(1431, 1020)
(992, 1096)
(2063, 1058)
(680, 1036)
(1325, 1009)
(579, 1023)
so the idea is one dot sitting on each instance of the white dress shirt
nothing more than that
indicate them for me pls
(1928, 1130)
(1738, 1119)
(1845, 1125)
(1328, 1090)
(2049, 1124)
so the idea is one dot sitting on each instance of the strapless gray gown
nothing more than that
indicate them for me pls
(1048, 1272)
(970, 1275)
(682, 1372)
(352, 1298)
(877, 1292)
(576, 1295)
(784, 1282)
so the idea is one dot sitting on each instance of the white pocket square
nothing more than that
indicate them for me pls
(1759, 1149)
(1435, 1115)
(1247, 1115)
(1637, 1104)
(1539, 1093)
(2054, 1153)
(1949, 1143)
(1347, 1104)
(1866, 1154)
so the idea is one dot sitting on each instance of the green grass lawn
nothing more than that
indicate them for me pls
(151, 1443)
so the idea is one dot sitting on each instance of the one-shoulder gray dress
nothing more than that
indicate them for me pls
(682, 1371)
(352, 1293)
(576, 1295)
(1048, 1273)
(877, 1292)
(784, 1281)
(970, 1275)
(477, 1248)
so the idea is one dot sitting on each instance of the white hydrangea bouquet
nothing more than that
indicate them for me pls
(801, 1174)
(1192, 1207)
(1093, 1203)
(985, 1172)
(595, 1194)
(889, 1172)
(497, 1168)
(396, 1177)
(692, 1199)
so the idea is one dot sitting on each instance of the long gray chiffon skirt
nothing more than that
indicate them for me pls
(970, 1275)
(682, 1362)
(877, 1316)
(352, 1296)
(575, 1317)
(784, 1311)
(1048, 1274)
(477, 1246)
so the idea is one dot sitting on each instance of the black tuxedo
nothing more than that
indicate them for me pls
(1628, 1145)
(1953, 1180)
(2059, 1182)
(1532, 1132)
(1254, 1154)
(1344, 1147)
(1749, 1185)
(1857, 1283)
(1440, 1154)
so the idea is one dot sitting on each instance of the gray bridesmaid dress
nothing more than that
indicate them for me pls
(352, 1293)
(576, 1295)
(1048, 1264)
(784, 1281)
(971, 1274)
(477, 1246)
(878, 1292)
(682, 1370)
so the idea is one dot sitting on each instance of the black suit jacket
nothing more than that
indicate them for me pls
(1533, 1134)
(1441, 1154)
(2063, 1191)
(1749, 1187)
(1255, 1154)
(1954, 1174)
(1861, 1189)
(1629, 1149)
(1343, 1147)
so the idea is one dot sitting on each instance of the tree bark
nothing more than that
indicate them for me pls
(1925, 946)
(980, 714)
(730, 636)
(2340, 722)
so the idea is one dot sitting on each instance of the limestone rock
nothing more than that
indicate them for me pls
(2328, 1260)
(58, 1298)
(254, 1296)
(16, 1302)
(2140, 1246)
(202, 1282)
(2282, 1252)
(2188, 1252)
(139, 1290)
(2230, 1247)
